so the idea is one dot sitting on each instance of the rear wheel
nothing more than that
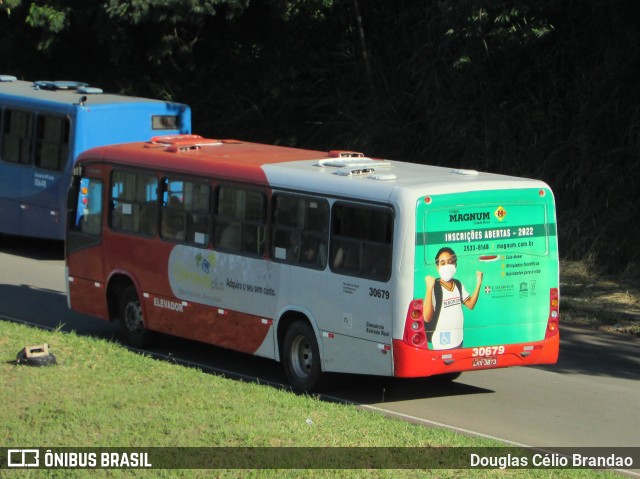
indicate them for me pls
(132, 321)
(301, 358)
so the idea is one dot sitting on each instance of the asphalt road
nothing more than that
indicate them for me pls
(589, 399)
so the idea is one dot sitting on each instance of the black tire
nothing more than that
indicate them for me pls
(48, 360)
(301, 358)
(132, 321)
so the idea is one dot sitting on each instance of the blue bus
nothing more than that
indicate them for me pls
(45, 125)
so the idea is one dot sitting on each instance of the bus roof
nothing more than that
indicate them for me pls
(63, 93)
(336, 173)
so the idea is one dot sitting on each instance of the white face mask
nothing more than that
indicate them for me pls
(447, 271)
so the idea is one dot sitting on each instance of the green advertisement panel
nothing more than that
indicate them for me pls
(488, 260)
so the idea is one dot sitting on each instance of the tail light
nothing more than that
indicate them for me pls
(414, 334)
(554, 313)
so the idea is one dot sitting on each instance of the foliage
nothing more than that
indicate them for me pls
(543, 89)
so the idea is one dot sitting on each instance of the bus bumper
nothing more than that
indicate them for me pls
(412, 362)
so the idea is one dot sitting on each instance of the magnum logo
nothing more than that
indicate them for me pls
(459, 217)
(500, 213)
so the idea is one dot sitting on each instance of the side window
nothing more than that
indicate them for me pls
(134, 202)
(52, 142)
(185, 211)
(17, 133)
(240, 219)
(300, 230)
(361, 241)
(87, 213)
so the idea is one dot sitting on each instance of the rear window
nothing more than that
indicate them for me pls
(165, 122)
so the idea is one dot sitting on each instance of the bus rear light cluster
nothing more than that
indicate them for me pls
(414, 334)
(554, 313)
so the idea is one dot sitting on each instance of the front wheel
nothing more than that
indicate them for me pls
(132, 321)
(301, 359)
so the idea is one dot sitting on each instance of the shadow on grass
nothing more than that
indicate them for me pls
(48, 309)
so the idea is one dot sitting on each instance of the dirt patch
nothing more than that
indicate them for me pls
(604, 302)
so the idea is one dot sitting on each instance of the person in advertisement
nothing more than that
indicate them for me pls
(443, 302)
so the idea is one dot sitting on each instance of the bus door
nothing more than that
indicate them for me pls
(84, 235)
(50, 157)
(37, 146)
(15, 166)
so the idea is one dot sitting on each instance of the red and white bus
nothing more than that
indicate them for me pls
(326, 262)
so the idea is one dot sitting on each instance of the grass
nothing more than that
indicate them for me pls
(102, 395)
(604, 302)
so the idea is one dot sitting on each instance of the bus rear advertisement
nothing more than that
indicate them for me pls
(502, 301)
(45, 125)
(325, 262)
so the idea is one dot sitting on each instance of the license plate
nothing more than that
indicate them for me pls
(484, 362)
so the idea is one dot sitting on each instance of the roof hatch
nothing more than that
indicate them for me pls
(345, 154)
(80, 87)
(465, 172)
(176, 143)
(352, 162)
(356, 165)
